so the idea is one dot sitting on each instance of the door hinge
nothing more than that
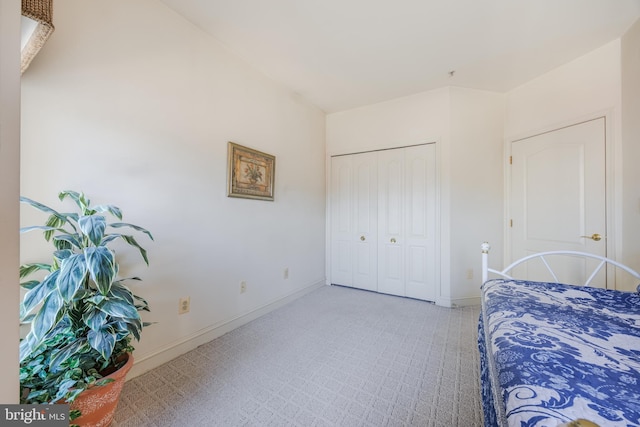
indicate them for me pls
(510, 160)
(510, 223)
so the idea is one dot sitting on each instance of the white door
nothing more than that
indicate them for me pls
(558, 199)
(354, 220)
(406, 218)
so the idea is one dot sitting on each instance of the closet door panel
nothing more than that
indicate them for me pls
(391, 222)
(341, 221)
(365, 220)
(420, 205)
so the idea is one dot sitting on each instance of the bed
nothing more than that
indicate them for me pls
(552, 353)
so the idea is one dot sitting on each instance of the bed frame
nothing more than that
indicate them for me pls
(553, 353)
(505, 273)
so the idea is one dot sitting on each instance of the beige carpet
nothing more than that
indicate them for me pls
(335, 357)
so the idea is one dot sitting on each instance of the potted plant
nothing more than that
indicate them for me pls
(82, 316)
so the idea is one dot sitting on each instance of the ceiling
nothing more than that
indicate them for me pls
(341, 54)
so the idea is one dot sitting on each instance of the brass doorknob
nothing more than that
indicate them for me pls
(594, 236)
(393, 240)
(362, 238)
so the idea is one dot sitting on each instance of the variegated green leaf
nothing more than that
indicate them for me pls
(123, 329)
(97, 299)
(136, 323)
(134, 326)
(41, 227)
(27, 345)
(41, 207)
(72, 239)
(37, 294)
(27, 269)
(134, 331)
(59, 356)
(62, 245)
(132, 241)
(119, 309)
(103, 341)
(53, 221)
(110, 238)
(93, 227)
(78, 198)
(71, 216)
(119, 327)
(28, 318)
(47, 316)
(135, 227)
(29, 284)
(120, 291)
(94, 319)
(113, 210)
(67, 391)
(72, 275)
(100, 261)
(142, 303)
(129, 278)
(62, 254)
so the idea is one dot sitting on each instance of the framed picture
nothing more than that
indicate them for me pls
(251, 173)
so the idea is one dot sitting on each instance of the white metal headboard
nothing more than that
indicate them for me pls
(505, 272)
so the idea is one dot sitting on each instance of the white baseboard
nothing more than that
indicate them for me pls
(457, 302)
(462, 302)
(205, 335)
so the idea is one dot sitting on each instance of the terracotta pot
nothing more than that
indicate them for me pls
(98, 404)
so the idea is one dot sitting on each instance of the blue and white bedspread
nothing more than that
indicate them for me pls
(552, 353)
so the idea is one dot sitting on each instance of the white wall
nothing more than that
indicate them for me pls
(9, 191)
(587, 85)
(630, 244)
(133, 105)
(423, 117)
(467, 127)
(477, 176)
(585, 88)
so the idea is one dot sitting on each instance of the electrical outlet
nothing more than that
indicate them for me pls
(286, 273)
(243, 287)
(470, 273)
(184, 305)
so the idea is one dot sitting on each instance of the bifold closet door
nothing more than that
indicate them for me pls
(383, 211)
(406, 222)
(354, 222)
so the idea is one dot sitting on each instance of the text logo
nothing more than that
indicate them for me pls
(34, 415)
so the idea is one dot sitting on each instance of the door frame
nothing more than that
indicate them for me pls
(613, 180)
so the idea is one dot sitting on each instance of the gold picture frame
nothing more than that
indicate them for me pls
(251, 173)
